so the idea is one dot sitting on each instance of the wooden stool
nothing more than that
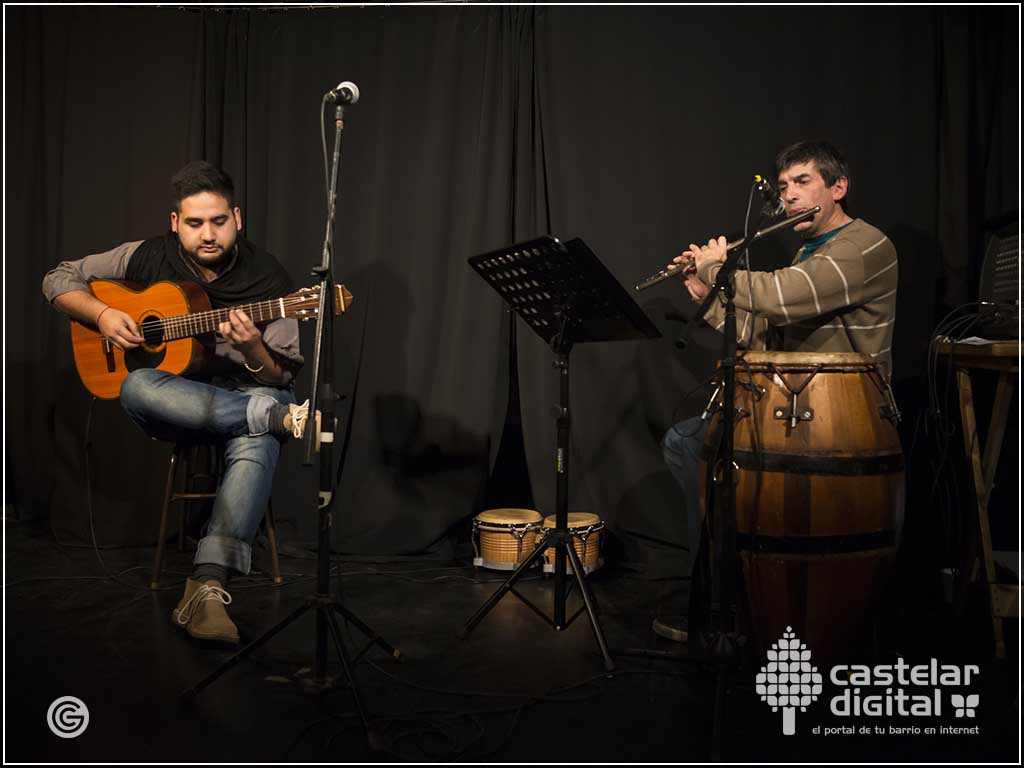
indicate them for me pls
(189, 454)
(1003, 599)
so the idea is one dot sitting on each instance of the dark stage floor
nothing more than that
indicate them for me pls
(515, 691)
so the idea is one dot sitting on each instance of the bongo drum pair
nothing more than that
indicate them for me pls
(503, 538)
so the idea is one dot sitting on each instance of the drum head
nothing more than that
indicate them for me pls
(509, 516)
(803, 360)
(576, 520)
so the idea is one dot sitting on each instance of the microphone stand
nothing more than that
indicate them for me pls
(322, 601)
(722, 643)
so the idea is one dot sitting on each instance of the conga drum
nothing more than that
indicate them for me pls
(503, 538)
(585, 528)
(819, 495)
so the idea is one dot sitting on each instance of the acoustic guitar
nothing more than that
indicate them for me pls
(178, 325)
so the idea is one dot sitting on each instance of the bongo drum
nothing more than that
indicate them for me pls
(585, 529)
(819, 496)
(503, 538)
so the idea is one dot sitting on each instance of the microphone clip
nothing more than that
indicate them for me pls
(345, 92)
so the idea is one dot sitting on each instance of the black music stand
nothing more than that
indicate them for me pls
(567, 296)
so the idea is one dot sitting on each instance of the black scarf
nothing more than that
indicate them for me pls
(255, 276)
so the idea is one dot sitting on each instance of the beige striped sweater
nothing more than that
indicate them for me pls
(842, 299)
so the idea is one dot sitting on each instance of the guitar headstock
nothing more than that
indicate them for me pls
(305, 303)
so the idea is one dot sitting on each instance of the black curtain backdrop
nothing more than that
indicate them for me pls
(636, 128)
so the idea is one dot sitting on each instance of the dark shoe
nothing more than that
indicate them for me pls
(674, 628)
(201, 612)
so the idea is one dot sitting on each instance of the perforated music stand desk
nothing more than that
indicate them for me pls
(567, 296)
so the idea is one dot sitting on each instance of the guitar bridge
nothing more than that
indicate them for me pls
(108, 353)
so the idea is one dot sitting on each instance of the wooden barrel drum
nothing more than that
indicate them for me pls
(819, 495)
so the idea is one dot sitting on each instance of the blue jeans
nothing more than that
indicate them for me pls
(169, 407)
(681, 448)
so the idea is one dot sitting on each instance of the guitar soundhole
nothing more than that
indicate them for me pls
(151, 353)
(152, 330)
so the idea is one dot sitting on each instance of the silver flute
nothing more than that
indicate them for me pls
(672, 271)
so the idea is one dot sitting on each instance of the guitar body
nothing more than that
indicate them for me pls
(103, 366)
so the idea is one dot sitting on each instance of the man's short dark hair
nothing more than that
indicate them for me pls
(829, 161)
(200, 176)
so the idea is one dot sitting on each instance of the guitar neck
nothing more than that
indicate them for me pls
(184, 326)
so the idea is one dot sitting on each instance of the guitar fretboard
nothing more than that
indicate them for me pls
(184, 326)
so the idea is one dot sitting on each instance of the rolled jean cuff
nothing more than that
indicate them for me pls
(257, 414)
(223, 550)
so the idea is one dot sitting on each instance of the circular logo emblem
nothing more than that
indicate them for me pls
(68, 717)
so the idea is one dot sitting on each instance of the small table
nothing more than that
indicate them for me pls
(1004, 357)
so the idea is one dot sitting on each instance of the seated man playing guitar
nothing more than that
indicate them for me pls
(243, 398)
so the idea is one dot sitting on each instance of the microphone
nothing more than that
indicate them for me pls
(345, 93)
(772, 205)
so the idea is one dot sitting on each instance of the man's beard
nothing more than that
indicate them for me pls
(221, 261)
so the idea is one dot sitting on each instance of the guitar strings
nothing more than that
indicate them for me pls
(270, 304)
(189, 324)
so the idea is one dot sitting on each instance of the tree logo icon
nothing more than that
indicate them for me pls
(789, 681)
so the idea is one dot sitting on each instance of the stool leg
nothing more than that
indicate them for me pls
(189, 461)
(268, 523)
(154, 582)
(982, 489)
